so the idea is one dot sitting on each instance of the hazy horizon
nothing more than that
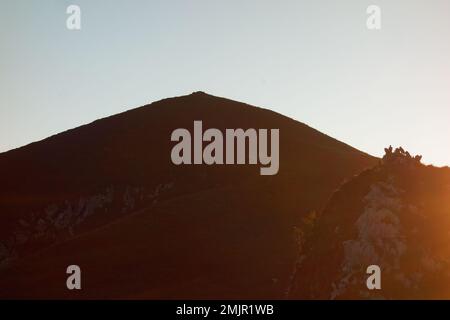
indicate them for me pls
(313, 61)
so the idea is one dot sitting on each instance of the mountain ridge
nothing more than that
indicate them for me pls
(157, 102)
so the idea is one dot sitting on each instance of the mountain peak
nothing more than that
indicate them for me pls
(199, 93)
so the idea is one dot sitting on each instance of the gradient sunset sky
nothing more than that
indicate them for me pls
(314, 61)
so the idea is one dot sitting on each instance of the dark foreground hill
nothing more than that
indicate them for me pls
(395, 215)
(106, 197)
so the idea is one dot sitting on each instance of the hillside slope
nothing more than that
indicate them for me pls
(395, 215)
(107, 197)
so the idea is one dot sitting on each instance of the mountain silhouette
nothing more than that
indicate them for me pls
(106, 196)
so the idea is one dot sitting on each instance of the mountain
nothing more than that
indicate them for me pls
(396, 216)
(107, 197)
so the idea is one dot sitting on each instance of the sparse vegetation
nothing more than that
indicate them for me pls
(400, 156)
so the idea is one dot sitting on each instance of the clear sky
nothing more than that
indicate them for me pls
(314, 61)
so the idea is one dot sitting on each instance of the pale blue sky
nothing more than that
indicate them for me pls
(311, 60)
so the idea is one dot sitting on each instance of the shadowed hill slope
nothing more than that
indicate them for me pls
(107, 197)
